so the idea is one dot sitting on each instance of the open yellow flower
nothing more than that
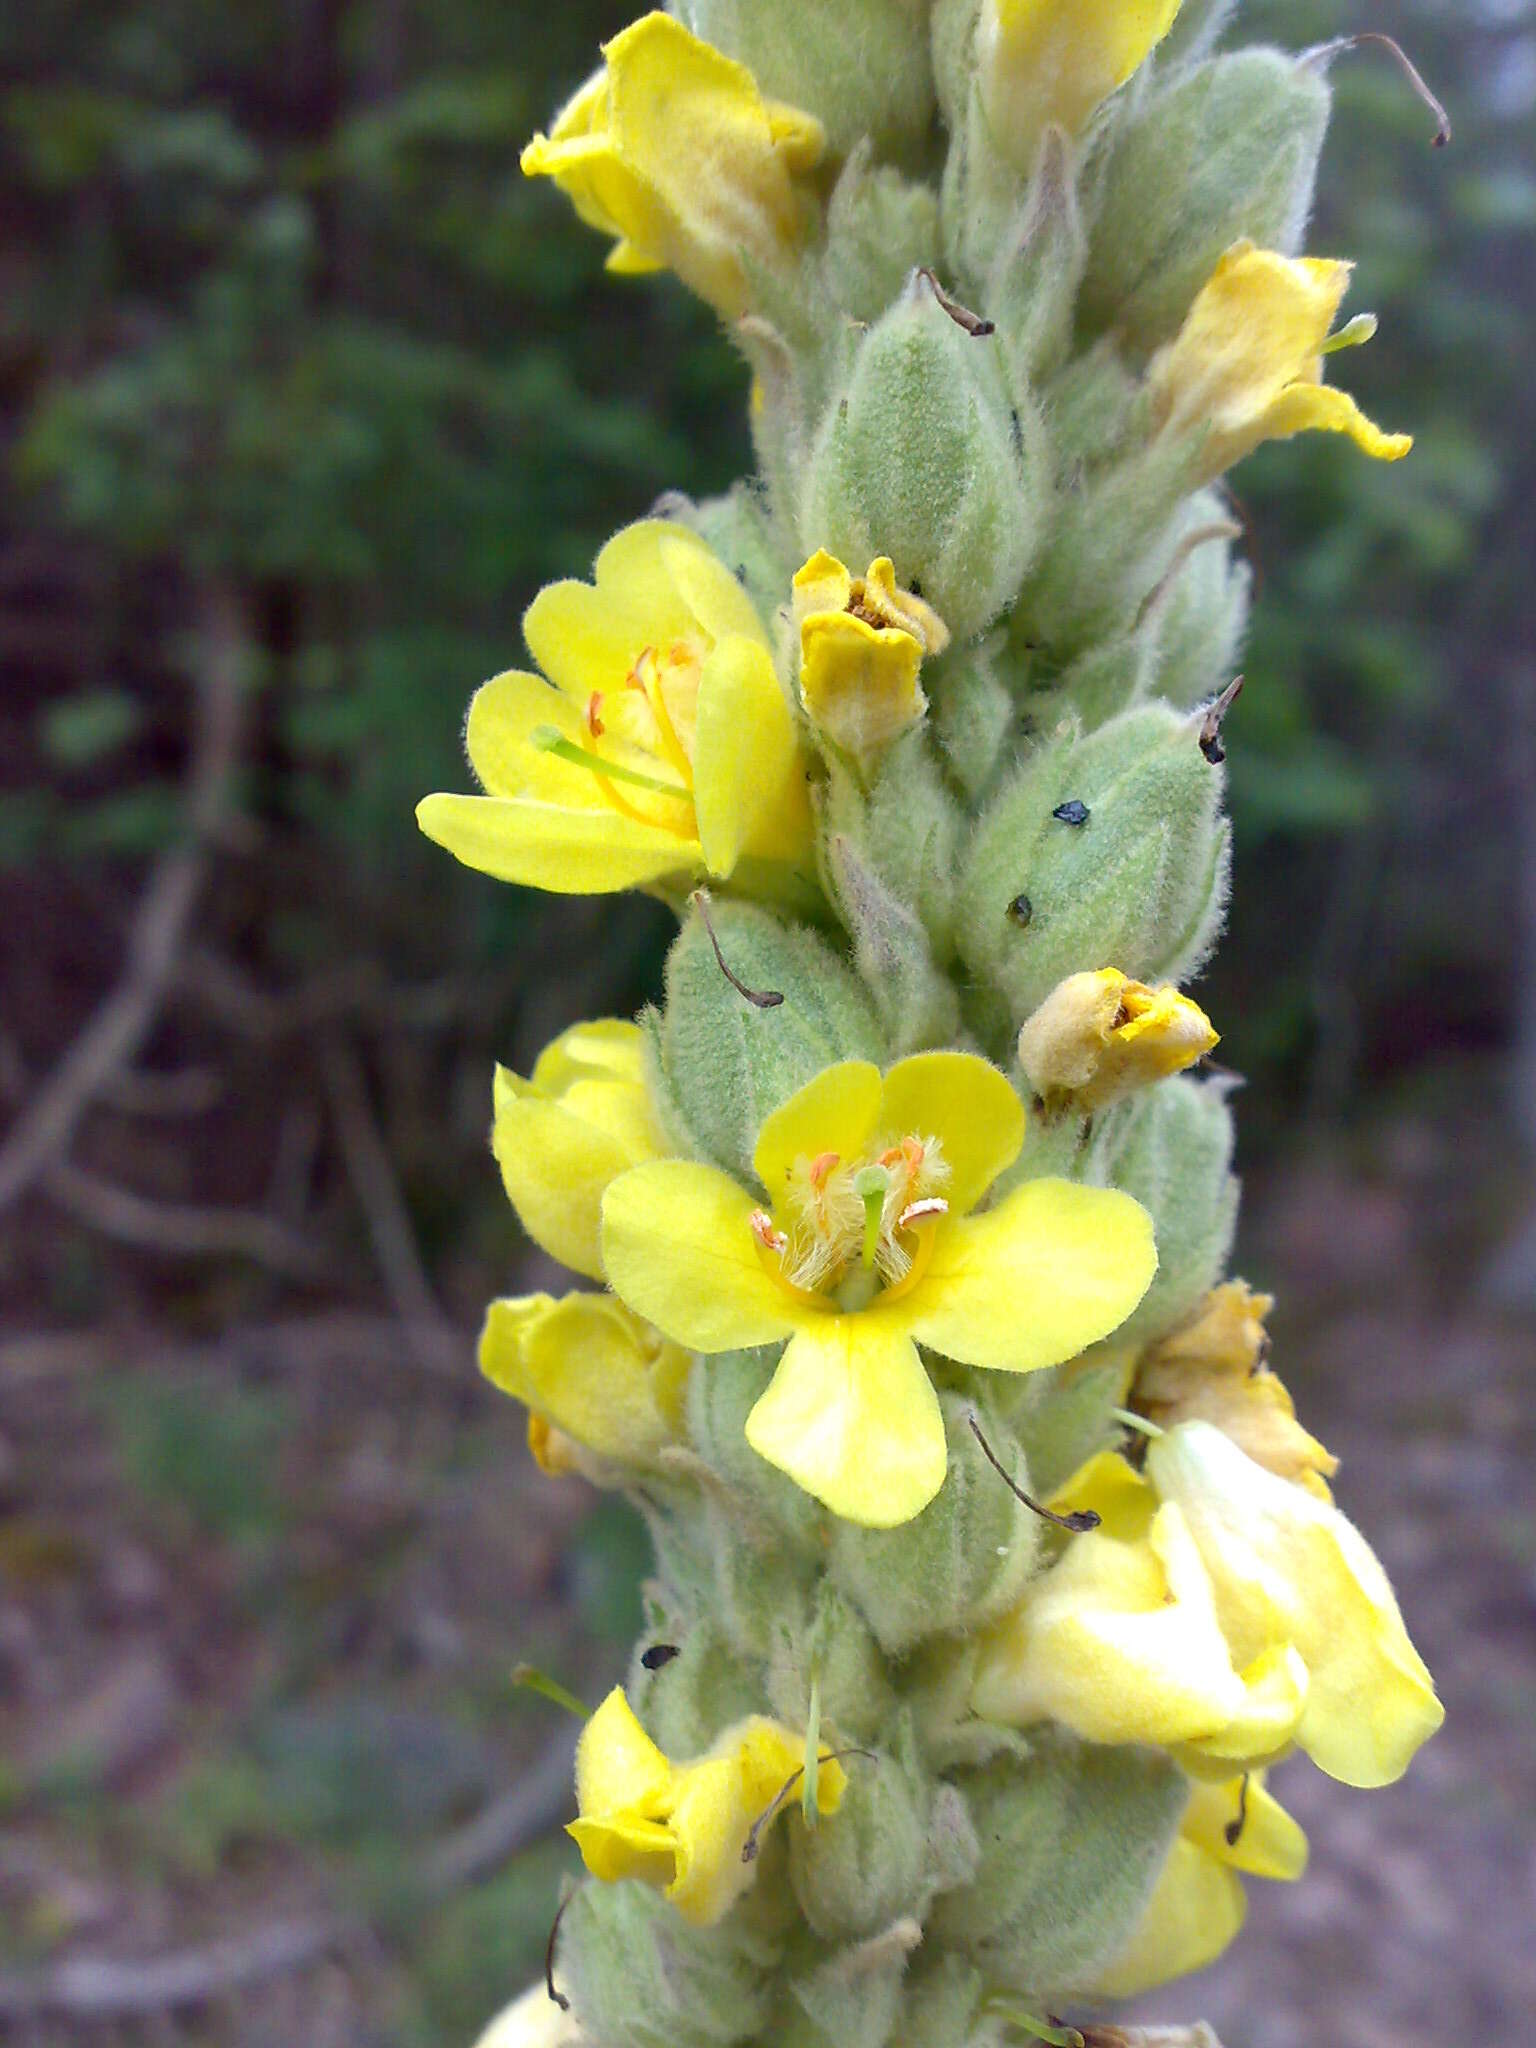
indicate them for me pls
(1121, 1640)
(1247, 365)
(595, 1379)
(582, 1117)
(1197, 1904)
(866, 1249)
(682, 1827)
(862, 642)
(1099, 1036)
(1212, 1369)
(1041, 61)
(1287, 1567)
(661, 747)
(673, 151)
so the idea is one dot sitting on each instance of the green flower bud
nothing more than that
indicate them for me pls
(856, 1876)
(1200, 612)
(918, 1005)
(1171, 1147)
(973, 714)
(1229, 149)
(854, 1999)
(1071, 1838)
(1032, 290)
(639, 1975)
(907, 829)
(827, 1644)
(963, 1560)
(722, 1392)
(724, 1062)
(880, 227)
(1139, 883)
(1110, 677)
(920, 460)
(855, 64)
(943, 1996)
(685, 1703)
(1062, 1416)
(1195, 31)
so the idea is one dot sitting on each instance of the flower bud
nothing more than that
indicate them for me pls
(862, 642)
(708, 1686)
(1172, 1149)
(826, 1642)
(1100, 1036)
(581, 1118)
(639, 1976)
(1140, 878)
(1072, 1837)
(852, 2000)
(1054, 62)
(591, 1372)
(859, 1876)
(1063, 1416)
(1227, 150)
(726, 1061)
(858, 65)
(917, 460)
(721, 1395)
(880, 227)
(1198, 615)
(961, 1561)
(1032, 290)
(943, 1998)
(673, 151)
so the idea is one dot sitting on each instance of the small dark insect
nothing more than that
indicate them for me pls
(1073, 812)
(657, 1655)
(1021, 910)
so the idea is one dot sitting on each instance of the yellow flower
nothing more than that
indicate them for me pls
(661, 748)
(581, 1118)
(1197, 1904)
(1121, 1640)
(1286, 1567)
(862, 642)
(1247, 365)
(672, 150)
(1041, 61)
(594, 1378)
(682, 1827)
(1213, 1370)
(1100, 1035)
(867, 1249)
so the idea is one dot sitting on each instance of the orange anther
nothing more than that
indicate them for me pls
(594, 707)
(821, 1166)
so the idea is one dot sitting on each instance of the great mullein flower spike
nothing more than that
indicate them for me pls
(995, 1572)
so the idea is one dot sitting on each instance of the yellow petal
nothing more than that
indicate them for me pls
(1098, 1036)
(1324, 408)
(582, 1119)
(835, 1112)
(968, 1105)
(822, 584)
(852, 1417)
(1288, 1567)
(586, 636)
(1056, 60)
(1052, 1269)
(718, 1801)
(618, 1767)
(859, 683)
(749, 785)
(621, 1845)
(677, 1245)
(1196, 1908)
(547, 846)
(502, 713)
(714, 597)
(1117, 1493)
(1275, 1688)
(1251, 1831)
(590, 1368)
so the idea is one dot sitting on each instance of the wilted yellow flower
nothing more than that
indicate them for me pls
(868, 1250)
(583, 1116)
(1286, 1567)
(660, 749)
(1100, 1035)
(595, 1379)
(673, 151)
(1041, 61)
(862, 642)
(682, 1827)
(1121, 1640)
(1247, 365)
(1213, 1370)
(1197, 1904)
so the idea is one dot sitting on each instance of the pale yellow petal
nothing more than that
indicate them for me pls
(589, 1367)
(546, 846)
(1052, 1269)
(749, 786)
(714, 597)
(677, 1245)
(1324, 408)
(968, 1105)
(1250, 1830)
(835, 1112)
(852, 1417)
(1197, 1907)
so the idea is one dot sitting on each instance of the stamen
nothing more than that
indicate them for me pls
(1077, 1524)
(645, 676)
(594, 722)
(925, 1211)
(821, 1166)
(549, 740)
(770, 1238)
(1129, 1419)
